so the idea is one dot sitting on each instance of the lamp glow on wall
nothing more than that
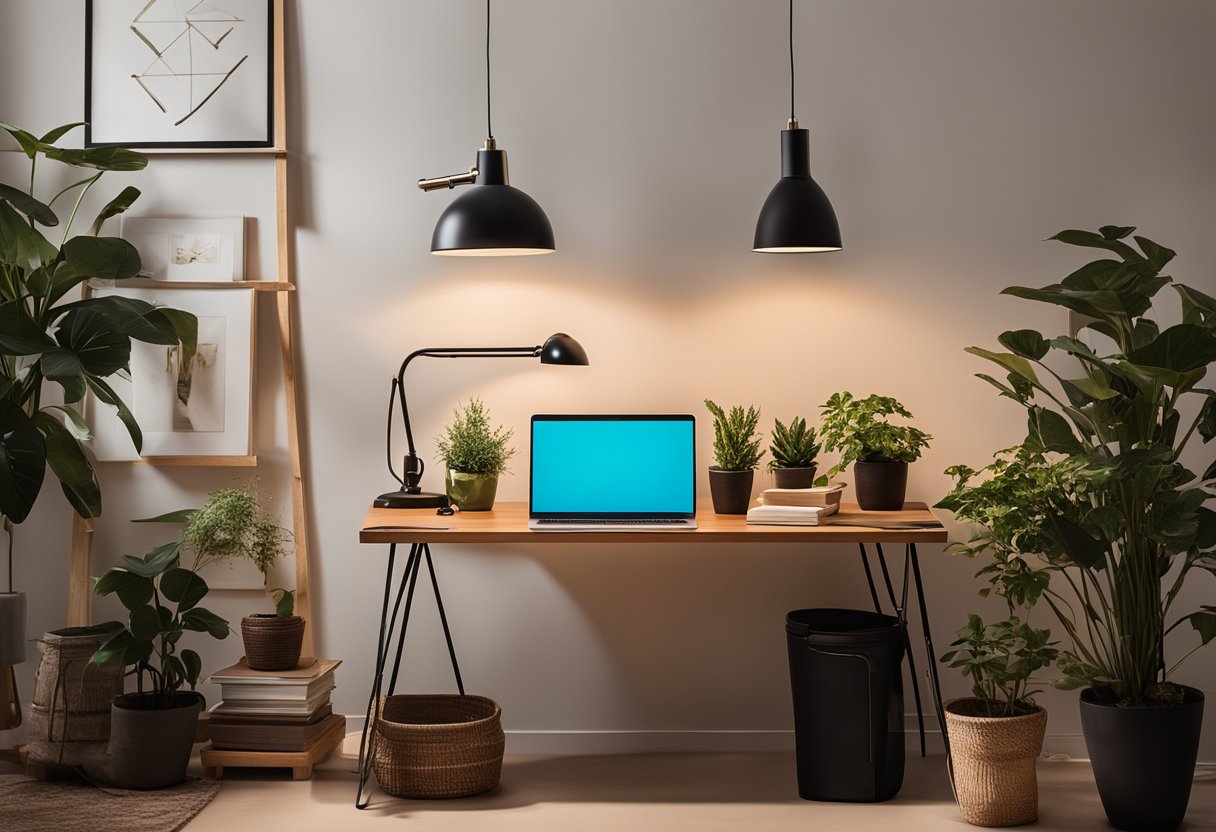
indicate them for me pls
(797, 216)
(491, 218)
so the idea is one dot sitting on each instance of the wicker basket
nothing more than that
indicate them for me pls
(994, 765)
(437, 746)
(70, 714)
(271, 642)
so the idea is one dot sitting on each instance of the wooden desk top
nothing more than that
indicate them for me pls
(508, 523)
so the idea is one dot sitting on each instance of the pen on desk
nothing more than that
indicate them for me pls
(405, 528)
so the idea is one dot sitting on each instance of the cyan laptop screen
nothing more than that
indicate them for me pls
(624, 465)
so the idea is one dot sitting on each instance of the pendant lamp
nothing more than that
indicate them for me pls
(491, 218)
(797, 216)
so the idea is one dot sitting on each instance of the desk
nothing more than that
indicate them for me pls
(508, 523)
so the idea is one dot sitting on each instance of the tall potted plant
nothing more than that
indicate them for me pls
(152, 730)
(737, 452)
(474, 455)
(1135, 527)
(793, 449)
(75, 343)
(878, 450)
(233, 525)
(996, 735)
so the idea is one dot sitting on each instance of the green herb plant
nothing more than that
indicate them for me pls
(736, 440)
(1000, 659)
(793, 445)
(48, 337)
(859, 430)
(470, 445)
(1131, 527)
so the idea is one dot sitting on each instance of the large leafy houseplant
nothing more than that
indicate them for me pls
(76, 344)
(1130, 526)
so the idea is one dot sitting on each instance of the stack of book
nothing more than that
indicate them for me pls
(796, 506)
(272, 711)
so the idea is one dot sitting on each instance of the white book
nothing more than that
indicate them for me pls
(820, 495)
(788, 515)
(272, 707)
(276, 693)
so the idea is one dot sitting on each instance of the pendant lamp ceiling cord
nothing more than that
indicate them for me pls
(792, 118)
(489, 129)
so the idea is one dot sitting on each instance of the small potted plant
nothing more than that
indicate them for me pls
(273, 640)
(233, 525)
(152, 730)
(737, 452)
(878, 450)
(474, 456)
(793, 449)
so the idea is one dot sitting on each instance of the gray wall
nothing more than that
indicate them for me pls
(952, 137)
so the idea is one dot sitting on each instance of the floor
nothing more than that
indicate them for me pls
(669, 792)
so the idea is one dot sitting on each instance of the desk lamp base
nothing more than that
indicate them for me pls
(403, 499)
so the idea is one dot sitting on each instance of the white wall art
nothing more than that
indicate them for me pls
(188, 248)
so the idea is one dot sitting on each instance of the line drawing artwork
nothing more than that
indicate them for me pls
(188, 67)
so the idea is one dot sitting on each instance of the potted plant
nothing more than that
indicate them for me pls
(152, 730)
(76, 344)
(1134, 527)
(272, 640)
(474, 456)
(793, 449)
(233, 525)
(737, 452)
(878, 450)
(996, 736)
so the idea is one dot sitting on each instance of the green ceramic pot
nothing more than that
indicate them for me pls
(472, 492)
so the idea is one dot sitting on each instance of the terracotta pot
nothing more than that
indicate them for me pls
(881, 486)
(994, 764)
(731, 490)
(472, 492)
(794, 477)
(271, 642)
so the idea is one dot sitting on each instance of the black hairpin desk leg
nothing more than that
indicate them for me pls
(934, 679)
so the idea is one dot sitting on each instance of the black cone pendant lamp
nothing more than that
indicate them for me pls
(797, 216)
(491, 218)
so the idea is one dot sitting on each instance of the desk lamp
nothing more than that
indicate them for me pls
(557, 349)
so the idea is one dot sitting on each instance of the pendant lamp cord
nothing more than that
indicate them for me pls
(489, 129)
(791, 58)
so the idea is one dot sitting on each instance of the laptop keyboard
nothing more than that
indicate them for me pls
(603, 521)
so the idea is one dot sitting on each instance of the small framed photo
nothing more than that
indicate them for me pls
(198, 405)
(179, 73)
(193, 248)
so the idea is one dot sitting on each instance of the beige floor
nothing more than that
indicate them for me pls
(639, 793)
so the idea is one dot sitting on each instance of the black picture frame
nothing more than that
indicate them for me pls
(270, 140)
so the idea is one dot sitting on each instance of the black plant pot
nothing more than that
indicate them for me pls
(731, 490)
(794, 477)
(881, 486)
(149, 745)
(1143, 759)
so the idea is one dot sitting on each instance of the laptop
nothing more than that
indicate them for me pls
(611, 473)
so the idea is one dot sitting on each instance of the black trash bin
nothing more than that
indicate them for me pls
(847, 680)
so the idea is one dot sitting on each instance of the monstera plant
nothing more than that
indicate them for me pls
(1118, 405)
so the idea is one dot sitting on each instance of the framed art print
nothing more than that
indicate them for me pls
(188, 248)
(185, 405)
(179, 73)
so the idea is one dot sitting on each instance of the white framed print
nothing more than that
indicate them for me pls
(198, 405)
(188, 248)
(179, 73)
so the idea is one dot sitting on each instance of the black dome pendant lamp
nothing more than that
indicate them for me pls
(491, 218)
(797, 216)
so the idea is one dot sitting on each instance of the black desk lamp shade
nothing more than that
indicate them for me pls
(492, 218)
(797, 216)
(559, 348)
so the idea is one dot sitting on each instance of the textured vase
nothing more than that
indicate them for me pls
(994, 764)
(272, 643)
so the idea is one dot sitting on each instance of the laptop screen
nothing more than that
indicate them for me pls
(613, 465)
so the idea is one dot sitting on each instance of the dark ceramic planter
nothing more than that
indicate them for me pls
(881, 486)
(731, 490)
(794, 477)
(1143, 760)
(150, 747)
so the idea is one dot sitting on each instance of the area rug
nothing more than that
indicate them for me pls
(74, 806)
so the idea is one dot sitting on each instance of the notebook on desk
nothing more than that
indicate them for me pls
(611, 473)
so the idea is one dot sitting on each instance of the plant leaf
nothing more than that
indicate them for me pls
(20, 333)
(58, 133)
(22, 462)
(114, 207)
(180, 516)
(183, 587)
(1204, 623)
(20, 245)
(102, 351)
(194, 666)
(1157, 255)
(114, 649)
(132, 317)
(1013, 363)
(67, 460)
(1089, 239)
(201, 620)
(106, 394)
(1116, 232)
(26, 204)
(1180, 349)
(1025, 342)
(145, 623)
(64, 367)
(29, 144)
(97, 158)
(106, 258)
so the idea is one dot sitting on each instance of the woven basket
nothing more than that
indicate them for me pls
(994, 765)
(271, 642)
(70, 713)
(437, 746)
